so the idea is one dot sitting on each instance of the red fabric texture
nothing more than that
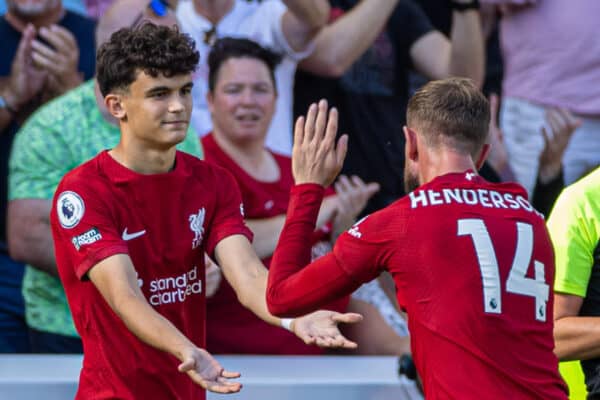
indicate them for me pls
(231, 328)
(460, 348)
(181, 213)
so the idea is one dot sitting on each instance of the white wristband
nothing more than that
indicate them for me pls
(287, 323)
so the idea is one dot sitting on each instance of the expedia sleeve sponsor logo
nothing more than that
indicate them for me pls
(89, 237)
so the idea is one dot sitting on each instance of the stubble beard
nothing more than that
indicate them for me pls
(411, 181)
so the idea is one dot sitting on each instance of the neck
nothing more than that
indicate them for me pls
(447, 161)
(251, 156)
(19, 22)
(143, 160)
(213, 10)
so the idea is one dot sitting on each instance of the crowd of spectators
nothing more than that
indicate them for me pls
(537, 60)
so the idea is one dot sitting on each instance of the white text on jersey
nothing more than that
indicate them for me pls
(175, 289)
(471, 197)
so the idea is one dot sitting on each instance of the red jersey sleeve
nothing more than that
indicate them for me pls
(229, 213)
(293, 290)
(365, 249)
(83, 228)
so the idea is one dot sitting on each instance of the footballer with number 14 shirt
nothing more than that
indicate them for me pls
(472, 261)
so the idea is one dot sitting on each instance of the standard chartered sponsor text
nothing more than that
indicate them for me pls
(175, 289)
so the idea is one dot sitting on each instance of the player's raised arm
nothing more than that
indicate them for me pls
(316, 161)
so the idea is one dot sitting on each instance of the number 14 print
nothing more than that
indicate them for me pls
(516, 282)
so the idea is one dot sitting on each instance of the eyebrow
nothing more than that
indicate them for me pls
(158, 89)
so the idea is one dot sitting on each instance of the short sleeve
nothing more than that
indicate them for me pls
(409, 23)
(228, 218)
(265, 27)
(83, 227)
(574, 237)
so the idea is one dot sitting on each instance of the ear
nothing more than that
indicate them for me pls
(411, 148)
(114, 105)
(485, 150)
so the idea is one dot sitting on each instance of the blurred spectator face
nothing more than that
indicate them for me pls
(125, 13)
(32, 8)
(243, 101)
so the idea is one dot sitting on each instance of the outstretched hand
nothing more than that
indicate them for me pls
(316, 158)
(204, 370)
(321, 328)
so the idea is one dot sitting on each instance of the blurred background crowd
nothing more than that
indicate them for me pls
(538, 61)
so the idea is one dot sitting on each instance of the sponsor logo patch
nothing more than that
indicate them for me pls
(70, 209)
(174, 289)
(89, 237)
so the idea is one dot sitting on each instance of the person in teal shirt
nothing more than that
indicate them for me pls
(59, 137)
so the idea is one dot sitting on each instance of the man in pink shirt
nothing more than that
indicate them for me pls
(551, 60)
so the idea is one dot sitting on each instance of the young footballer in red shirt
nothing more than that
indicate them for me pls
(131, 227)
(472, 261)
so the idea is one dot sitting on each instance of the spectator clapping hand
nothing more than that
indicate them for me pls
(59, 57)
(26, 80)
(560, 125)
(352, 195)
(498, 157)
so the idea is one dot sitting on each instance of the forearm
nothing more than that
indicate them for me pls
(467, 55)
(29, 234)
(359, 27)
(246, 274)
(149, 326)
(294, 292)
(314, 13)
(266, 233)
(116, 280)
(577, 338)
(257, 302)
(267, 230)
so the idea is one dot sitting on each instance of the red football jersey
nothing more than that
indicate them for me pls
(232, 328)
(473, 266)
(165, 223)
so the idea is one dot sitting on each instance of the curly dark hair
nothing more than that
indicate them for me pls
(151, 48)
(227, 47)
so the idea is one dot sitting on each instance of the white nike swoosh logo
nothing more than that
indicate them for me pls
(129, 236)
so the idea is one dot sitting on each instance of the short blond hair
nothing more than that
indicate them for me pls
(452, 112)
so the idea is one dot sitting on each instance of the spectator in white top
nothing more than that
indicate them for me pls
(286, 27)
